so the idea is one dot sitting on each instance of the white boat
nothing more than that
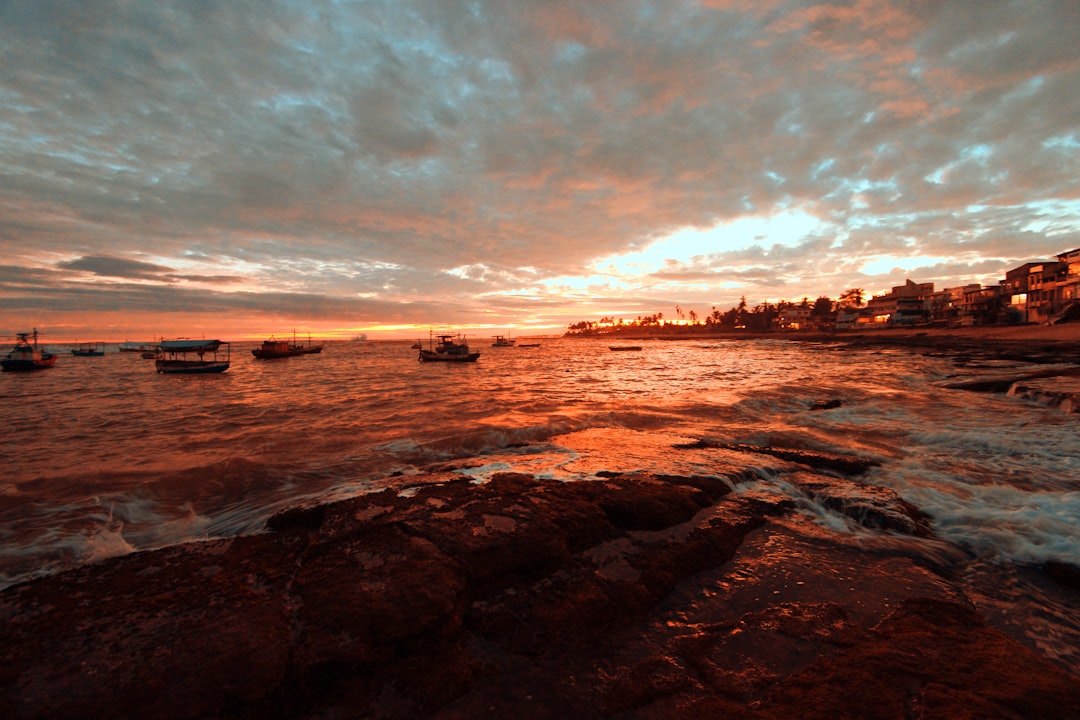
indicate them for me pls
(192, 356)
(502, 341)
(450, 348)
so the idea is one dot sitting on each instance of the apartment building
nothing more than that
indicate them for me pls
(1040, 292)
(907, 304)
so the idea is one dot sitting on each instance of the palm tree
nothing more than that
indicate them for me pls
(854, 297)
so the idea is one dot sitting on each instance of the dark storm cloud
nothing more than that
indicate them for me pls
(116, 267)
(372, 148)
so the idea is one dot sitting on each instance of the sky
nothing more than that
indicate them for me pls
(246, 168)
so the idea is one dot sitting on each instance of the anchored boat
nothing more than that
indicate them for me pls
(192, 356)
(89, 350)
(134, 347)
(450, 348)
(26, 355)
(272, 349)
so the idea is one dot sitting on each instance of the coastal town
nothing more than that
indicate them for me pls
(1043, 292)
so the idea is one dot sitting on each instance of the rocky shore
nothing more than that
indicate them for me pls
(630, 596)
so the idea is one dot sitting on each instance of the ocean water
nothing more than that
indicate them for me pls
(103, 456)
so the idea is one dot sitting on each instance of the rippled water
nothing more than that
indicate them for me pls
(105, 456)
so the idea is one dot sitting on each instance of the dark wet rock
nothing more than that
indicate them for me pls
(825, 404)
(1060, 393)
(872, 506)
(1004, 382)
(1065, 574)
(632, 596)
(846, 464)
(928, 659)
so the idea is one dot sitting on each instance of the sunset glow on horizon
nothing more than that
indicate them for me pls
(247, 169)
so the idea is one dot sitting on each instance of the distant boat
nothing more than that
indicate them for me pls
(130, 347)
(528, 345)
(192, 356)
(624, 348)
(450, 348)
(272, 349)
(360, 338)
(26, 355)
(89, 350)
(501, 341)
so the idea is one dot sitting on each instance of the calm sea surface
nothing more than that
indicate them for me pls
(103, 456)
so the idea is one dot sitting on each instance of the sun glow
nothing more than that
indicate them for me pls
(691, 245)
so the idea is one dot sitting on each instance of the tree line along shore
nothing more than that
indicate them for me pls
(1044, 292)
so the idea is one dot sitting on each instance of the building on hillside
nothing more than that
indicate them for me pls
(1040, 292)
(981, 305)
(1015, 288)
(944, 306)
(906, 304)
(1059, 286)
(847, 318)
(795, 317)
(1044, 288)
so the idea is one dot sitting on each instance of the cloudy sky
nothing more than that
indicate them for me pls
(249, 167)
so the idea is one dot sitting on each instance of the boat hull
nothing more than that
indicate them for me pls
(190, 367)
(274, 349)
(433, 356)
(28, 365)
(262, 354)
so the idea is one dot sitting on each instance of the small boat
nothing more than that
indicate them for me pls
(501, 341)
(624, 348)
(450, 348)
(89, 350)
(192, 356)
(272, 349)
(529, 345)
(27, 355)
(131, 347)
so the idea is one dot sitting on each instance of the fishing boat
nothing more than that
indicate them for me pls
(624, 348)
(185, 356)
(450, 348)
(272, 349)
(89, 350)
(26, 355)
(501, 341)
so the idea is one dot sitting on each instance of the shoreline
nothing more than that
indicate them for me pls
(1042, 343)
